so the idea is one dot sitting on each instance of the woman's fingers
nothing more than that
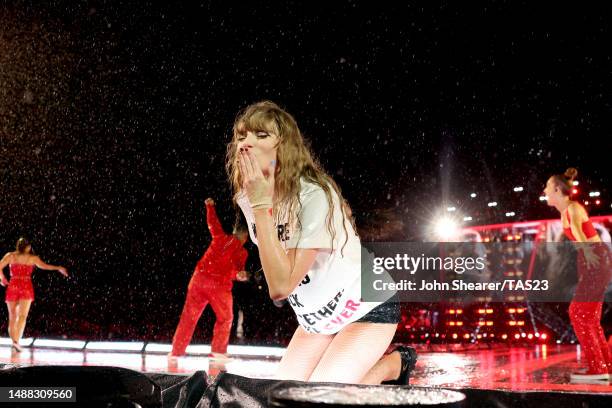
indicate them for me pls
(243, 168)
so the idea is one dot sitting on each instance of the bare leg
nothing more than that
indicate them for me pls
(12, 323)
(22, 316)
(302, 355)
(354, 352)
(386, 369)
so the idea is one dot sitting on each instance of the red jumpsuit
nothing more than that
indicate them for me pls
(211, 282)
(20, 286)
(585, 308)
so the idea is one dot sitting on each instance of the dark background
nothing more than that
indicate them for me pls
(114, 120)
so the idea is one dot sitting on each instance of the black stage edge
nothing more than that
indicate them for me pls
(117, 387)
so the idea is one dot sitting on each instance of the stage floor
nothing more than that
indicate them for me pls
(530, 368)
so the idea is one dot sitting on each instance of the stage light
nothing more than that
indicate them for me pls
(518, 189)
(574, 191)
(523, 335)
(504, 336)
(489, 311)
(115, 345)
(459, 311)
(473, 195)
(575, 182)
(597, 202)
(543, 198)
(451, 209)
(544, 336)
(492, 204)
(530, 336)
(467, 218)
(445, 228)
(510, 214)
(255, 351)
(64, 344)
(594, 194)
(517, 336)
(490, 323)
(586, 203)
(27, 342)
(459, 323)
(455, 335)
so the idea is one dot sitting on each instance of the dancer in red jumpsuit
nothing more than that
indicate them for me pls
(212, 283)
(594, 270)
(20, 291)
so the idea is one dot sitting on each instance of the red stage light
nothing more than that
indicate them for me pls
(517, 336)
(543, 336)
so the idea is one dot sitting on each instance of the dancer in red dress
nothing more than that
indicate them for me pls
(20, 292)
(212, 283)
(594, 267)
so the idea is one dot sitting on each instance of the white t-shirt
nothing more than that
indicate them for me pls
(329, 296)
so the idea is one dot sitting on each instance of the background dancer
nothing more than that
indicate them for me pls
(593, 278)
(310, 254)
(20, 291)
(211, 282)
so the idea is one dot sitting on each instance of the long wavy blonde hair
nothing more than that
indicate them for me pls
(294, 161)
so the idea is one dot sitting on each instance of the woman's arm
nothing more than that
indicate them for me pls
(3, 263)
(283, 270)
(43, 265)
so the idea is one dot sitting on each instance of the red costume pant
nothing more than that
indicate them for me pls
(197, 300)
(585, 311)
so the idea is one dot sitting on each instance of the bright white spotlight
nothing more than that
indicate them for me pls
(468, 218)
(445, 228)
(510, 214)
(492, 204)
(518, 189)
(594, 194)
(543, 198)
(575, 182)
(451, 209)
(473, 195)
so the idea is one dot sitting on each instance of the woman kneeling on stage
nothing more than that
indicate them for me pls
(311, 255)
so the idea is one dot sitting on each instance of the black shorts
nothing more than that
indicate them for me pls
(388, 312)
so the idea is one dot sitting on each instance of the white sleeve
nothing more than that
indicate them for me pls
(312, 232)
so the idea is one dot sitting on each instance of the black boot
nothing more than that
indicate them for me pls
(408, 356)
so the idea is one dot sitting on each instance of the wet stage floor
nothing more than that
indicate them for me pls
(529, 368)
